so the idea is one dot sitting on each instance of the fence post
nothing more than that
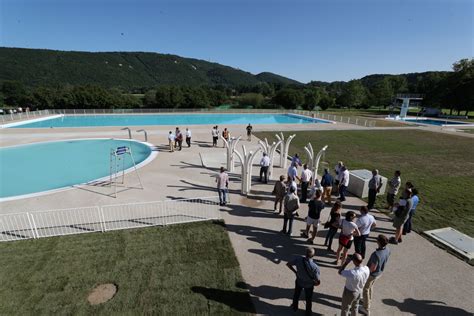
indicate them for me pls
(101, 218)
(34, 225)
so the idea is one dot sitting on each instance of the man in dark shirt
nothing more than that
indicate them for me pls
(315, 206)
(249, 132)
(376, 265)
(307, 276)
(326, 183)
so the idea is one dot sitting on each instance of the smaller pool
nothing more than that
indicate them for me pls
(30, 169)
(439, 122)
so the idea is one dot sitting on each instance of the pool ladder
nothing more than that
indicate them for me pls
(130, 133)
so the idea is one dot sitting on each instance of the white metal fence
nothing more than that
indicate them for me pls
(110, 217)
(337, 118)
(23, 115)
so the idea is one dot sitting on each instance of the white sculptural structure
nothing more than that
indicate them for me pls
(230, 149)
(313, 161)
(284, 146)
(270, 151)
(246, 170)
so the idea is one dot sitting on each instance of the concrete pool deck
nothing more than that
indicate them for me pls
(420, 278)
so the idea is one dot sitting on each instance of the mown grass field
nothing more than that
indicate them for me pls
(187, 269)
(441, 166)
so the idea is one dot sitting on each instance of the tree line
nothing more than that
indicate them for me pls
(452, 90)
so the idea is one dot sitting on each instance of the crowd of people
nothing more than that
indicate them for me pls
(354, 230)
(300, 187)
(175, 139)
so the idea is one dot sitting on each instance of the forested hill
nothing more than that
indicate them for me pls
(128, 70)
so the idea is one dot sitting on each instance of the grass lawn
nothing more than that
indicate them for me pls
(185, 269)
(440, 165)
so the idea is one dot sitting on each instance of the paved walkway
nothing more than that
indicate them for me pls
(420, 278)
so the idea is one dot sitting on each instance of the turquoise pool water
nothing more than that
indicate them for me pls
(435, 122)
(47, 166)
(169, 119)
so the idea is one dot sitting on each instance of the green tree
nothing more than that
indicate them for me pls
(399, 84)
(311, 98)
(14, 93)
(353, 95)
(289, 98)
(149, 99)
(163, 97)
(44, 97)
(382, 93)
(326, 101)
(264, 89)
(253, 99)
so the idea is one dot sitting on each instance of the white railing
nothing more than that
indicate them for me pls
(337, 118)
(110, 217)
(161, 110)
(23, 115)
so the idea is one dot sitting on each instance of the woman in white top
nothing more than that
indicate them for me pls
(348, 230)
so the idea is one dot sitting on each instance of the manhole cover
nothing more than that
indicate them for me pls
(102, 293)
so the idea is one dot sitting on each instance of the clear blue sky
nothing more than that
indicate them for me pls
(306, 40)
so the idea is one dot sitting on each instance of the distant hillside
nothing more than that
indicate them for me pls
(274, 78)
(35, 67)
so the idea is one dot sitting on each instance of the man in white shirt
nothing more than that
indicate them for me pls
(171, 139)
(264, 164)
(365, 223)
(355, 281)
(215, 136)
(222, 186)
(306, 176)
(343, 183)
(188, 137)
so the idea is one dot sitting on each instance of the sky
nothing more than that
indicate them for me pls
(325, 40)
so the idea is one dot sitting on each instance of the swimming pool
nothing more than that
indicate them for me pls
(439, 122)
(168, 119)
(40, 167)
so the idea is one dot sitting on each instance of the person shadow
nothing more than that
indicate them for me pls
(240, 301)
(425, 307)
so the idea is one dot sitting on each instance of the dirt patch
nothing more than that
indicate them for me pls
(102, 293)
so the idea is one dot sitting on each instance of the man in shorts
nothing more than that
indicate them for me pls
(315, 206)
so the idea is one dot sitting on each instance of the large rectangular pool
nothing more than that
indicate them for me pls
(169, 119)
